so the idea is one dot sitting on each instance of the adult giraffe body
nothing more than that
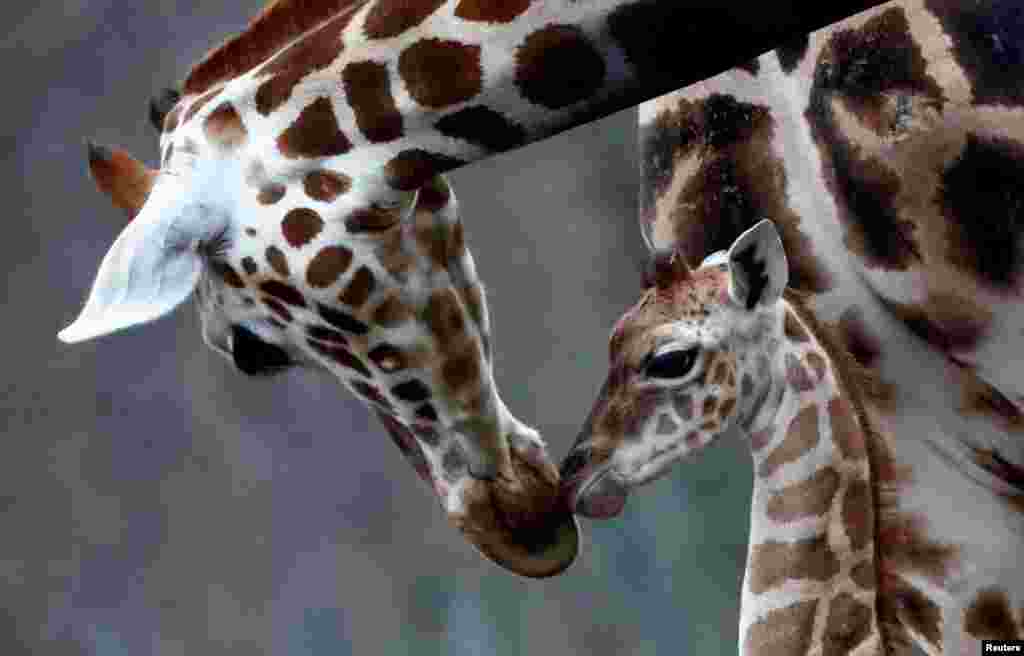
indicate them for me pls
(300, 197)
(886, 423)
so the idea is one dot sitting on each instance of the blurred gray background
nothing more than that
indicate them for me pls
(152, 501)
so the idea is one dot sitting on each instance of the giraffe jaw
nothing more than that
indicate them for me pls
(596, 494)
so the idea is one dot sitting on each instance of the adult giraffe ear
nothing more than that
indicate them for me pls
(665, 268)
(123, 178)
(151, 268)
(758, 271)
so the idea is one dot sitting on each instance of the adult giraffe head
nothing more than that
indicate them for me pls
(306, 247)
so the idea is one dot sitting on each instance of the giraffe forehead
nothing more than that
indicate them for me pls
(683, 311)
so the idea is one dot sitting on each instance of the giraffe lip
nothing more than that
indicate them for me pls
(597, 496)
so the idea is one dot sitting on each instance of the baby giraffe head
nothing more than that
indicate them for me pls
(688, 362)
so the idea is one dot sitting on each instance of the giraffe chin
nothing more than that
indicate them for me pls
(600, 497)
(519, 520)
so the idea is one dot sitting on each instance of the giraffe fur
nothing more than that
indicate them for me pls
(300, 199)
(919, 329)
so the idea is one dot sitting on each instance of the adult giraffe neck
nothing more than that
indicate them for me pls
(446, 84)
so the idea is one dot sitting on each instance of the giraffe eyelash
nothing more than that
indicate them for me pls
(217, 246)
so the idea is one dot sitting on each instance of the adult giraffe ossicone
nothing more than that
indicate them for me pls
(300, 197)
(837, 562)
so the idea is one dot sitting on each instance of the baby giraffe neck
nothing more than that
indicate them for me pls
(809, 586)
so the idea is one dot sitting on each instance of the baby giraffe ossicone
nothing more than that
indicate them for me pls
(718, 350)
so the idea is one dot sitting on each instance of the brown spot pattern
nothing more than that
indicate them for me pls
(387, 358)
(388, 19)
(946, 321)
(314, 52)
(981, 198)
(227, 273)
(325, 186)
(491, 12)
(443, 315)
(368, 91)
(721, 369)
(809, 498)
(359, 288)
(439, 72)
(285, 292)
(280, 22)
(863, 574)
(725, 408)
(224, 126)
(371, 219)
(858, 513)
(801, 438)
(773, 563)
(905, 546)
(980, 398)
(900, 601)
(484, 127)
(300, 226)
(989, 616)
(709, 405)
(270, 193)
(278, 262)
(859, 69)
(557, 66)
(327, 266)
(315, 133)
(413, 167)
(783, 631)
(848, 625)
(392, 311)
(461, 371)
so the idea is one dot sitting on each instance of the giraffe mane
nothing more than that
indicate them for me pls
(279, 23)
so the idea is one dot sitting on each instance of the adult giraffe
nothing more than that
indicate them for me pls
(881, 400)
(300, 197)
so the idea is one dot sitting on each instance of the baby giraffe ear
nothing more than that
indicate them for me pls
(758, 271)
(665, 268)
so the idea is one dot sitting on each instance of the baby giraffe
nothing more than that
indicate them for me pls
(835, 565)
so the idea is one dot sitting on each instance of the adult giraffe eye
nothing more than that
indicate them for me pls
(672, 364)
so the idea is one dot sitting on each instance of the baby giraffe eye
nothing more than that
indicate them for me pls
(672, 364)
